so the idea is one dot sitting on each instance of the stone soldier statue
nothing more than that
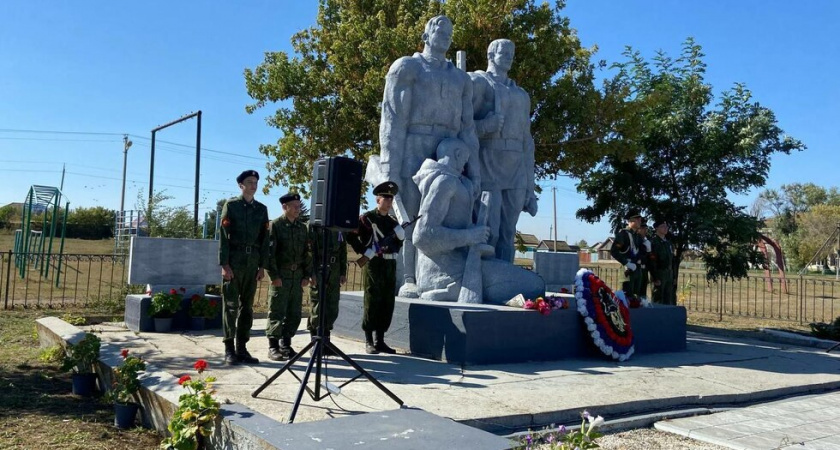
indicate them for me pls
(426, 100)
(626, 249)
(502, 112)
(337, 266)
(378, 239)
(644, 251)
(662, 262)
(445, 235)
(289, 267)
(243, 255)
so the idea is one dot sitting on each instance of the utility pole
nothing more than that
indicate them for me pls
(554, 200)
(126, 146)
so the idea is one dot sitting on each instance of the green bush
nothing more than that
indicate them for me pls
(80, 357)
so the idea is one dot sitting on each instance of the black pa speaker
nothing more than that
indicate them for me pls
(336, 193)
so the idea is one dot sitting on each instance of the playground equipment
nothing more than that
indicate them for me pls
(763, 242)
(35, 246)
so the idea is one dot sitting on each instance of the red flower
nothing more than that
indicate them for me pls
(200, 365)
(213, 303)
(172, 291)
(195, 297)
(564, 291)
(182, 290)
(124, 353)
(184, 379)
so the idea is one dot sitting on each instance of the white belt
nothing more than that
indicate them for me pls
(388, 256)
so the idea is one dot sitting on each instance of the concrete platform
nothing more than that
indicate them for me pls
(487, 334)
(713, 372)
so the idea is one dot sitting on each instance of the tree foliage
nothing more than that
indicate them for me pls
(96, 216)
(331, 87)
(690, 155)
(166, 221)
(815, 227)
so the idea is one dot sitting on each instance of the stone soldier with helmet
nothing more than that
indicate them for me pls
(662, 265)
(378, 239)
(627, 250)
(243, 255)
(289, 268)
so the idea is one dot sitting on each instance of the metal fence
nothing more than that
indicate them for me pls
(801, 299)
(87, 280)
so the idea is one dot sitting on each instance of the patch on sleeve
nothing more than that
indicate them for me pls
(225, 222)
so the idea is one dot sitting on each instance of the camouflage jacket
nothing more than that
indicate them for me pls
(244, 230)
(290, 249)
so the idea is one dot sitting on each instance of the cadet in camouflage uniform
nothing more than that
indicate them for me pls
(337, 266)
(379, 239)
(289, 267)
(626, 249)
(243, 253)
(662, 271)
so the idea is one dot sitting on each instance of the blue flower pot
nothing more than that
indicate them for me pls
(84, 384)
(124, 415)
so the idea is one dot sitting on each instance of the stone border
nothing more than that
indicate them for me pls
(159, 394)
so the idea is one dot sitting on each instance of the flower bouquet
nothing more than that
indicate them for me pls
(201, 306)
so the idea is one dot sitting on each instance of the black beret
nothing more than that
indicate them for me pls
(388, 188)
(248, 173)
(289, 197)
(659, 222)
(632, 213)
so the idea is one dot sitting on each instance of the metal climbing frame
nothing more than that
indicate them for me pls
(29, 244)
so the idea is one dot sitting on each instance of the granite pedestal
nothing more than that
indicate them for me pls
(137, 314)
(487, 334)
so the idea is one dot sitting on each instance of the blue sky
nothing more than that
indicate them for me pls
(127, 67)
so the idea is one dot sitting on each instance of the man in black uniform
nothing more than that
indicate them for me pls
(379, 239)
(626, 250)
(243, 255)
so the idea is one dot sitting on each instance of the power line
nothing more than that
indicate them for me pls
(11, 130)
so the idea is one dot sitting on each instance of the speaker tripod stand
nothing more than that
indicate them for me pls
(319, 344)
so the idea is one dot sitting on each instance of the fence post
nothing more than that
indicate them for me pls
(8, 272)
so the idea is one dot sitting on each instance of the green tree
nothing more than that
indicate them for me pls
(8, 213)
(583, 244)
(691, 154)
(335, 80)
(166, 221)
(815, 227)
(96, 216)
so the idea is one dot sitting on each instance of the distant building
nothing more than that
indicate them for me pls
(603, 250)
(530, 242)
(548, 245)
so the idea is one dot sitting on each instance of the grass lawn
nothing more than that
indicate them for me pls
(37, 409)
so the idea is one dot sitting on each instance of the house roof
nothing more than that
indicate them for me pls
(606, 245)
(529, 239)
(562, 246)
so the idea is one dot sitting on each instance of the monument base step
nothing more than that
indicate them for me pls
(488, 334)
(137, 314)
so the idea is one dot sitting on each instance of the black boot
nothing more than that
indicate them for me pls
(243, 355)
(230, 354)
(274, 352)
(381, 345)
(286, 348)
(370, 349)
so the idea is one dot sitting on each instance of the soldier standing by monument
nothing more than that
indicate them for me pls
(644, 251)
(243, 254)
(378, 239)
(289, 267)
(337, 266)
(426, 100)
(502, 112)
(626, 250)
(662, 271)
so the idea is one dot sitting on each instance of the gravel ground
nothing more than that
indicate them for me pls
(652, 439)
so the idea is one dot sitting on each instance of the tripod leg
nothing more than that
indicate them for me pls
(302, 385)
(832, 348)
(285, 367)
(364, 373)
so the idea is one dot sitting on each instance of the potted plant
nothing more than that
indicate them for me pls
(124, 389)
(195, 417)
(202, 309)
(80, 358)
(163, 308)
